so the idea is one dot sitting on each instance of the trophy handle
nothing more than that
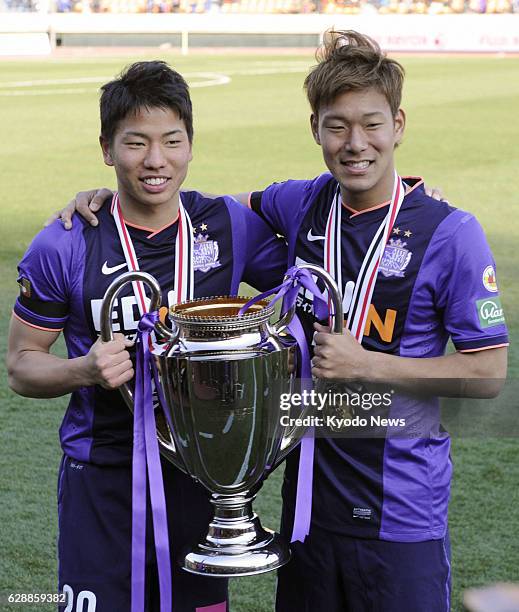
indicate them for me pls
(166, 446)
(333, 291)
(284, 321)
(292, 438)
(335, 296)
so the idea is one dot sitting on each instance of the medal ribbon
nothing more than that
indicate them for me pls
(184, 272)
(146, 457)
(366, 279)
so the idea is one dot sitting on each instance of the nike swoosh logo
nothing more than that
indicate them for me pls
(107, 271)
(313, 238)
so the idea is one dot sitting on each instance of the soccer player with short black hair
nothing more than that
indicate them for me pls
(146, 135)
(415, 272)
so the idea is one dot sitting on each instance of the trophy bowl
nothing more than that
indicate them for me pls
(221, 375)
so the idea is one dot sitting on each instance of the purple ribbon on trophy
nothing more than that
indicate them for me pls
(295, 279)
(147, 467)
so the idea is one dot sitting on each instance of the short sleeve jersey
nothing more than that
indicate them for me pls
(436, 281)
(64, 275)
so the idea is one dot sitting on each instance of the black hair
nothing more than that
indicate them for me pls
(147, 85)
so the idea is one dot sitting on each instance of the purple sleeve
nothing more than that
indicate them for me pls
(466, 289)
(45, 277)
(283, 205)
(260, 257)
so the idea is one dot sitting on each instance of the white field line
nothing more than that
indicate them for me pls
(210, 79)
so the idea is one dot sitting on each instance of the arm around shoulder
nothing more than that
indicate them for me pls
(86, 203)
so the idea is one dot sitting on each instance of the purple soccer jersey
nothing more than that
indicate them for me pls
(436, 281)
(64, 275)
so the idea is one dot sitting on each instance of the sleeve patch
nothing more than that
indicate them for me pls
(489, 279)
(490, 312)
(25, 287)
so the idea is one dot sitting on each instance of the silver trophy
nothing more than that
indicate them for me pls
(222, 375)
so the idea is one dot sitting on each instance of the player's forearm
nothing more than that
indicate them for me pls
(242, 198)
(480, 374)
(43, 375)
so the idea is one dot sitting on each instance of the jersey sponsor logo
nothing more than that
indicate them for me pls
(385, 328)
(395, 258)
(205, 253)
(106, 270)
(490, 312)
(125, 315)
(312, 238)
(489, 279)
(25, 287)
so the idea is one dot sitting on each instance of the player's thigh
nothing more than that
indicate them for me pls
(189, 508)
(94, 507)
(94, 520)
(189, 515)
(403, 577)
(191, 593)
(311, 579)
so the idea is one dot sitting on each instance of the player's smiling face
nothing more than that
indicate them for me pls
(150, 152)
(358, 134)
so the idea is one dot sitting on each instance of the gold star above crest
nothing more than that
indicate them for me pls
(203, 227)
(396, 230)
(194, 230)
(408, 233)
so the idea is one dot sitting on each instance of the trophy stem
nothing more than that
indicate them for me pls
(236, 543)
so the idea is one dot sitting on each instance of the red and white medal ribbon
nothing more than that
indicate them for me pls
(184, 276)
(357, 314)
(184, 248)
(146, 466)
(367, 277)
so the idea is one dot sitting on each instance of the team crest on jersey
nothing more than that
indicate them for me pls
(395, 259)
(205, 253)
(489, 279)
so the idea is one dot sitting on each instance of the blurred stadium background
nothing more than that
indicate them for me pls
(37, 27)
(349, 7)
(251, 128)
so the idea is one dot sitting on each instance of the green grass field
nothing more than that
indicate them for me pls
(462, 135)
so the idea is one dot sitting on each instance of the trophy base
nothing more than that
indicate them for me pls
(218, 562)
(236, 544)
